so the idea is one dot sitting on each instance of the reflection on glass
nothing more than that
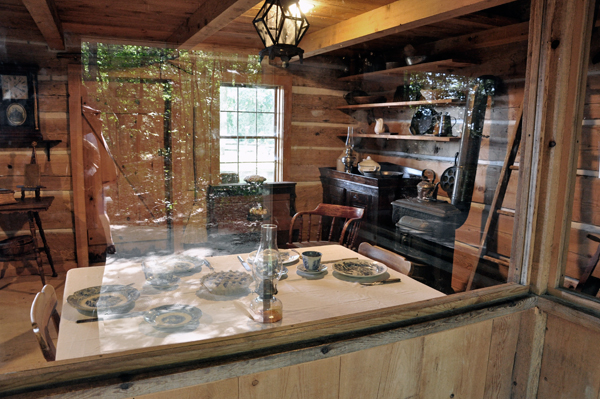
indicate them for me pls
(581, 272)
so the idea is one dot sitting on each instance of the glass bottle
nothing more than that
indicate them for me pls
(266, 270)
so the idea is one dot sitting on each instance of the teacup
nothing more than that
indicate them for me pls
(311, 260)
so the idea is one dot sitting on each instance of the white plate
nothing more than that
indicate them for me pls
(359, 268)
(287, 257)
(301, 268)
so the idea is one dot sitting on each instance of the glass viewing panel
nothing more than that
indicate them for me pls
(580, 271)
(184, 129)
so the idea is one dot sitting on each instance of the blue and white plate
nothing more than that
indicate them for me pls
(359, 268)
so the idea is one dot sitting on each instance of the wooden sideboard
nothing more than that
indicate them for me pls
(374, 194)
(229, 206)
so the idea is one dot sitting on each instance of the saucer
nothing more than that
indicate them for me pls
(302, 269)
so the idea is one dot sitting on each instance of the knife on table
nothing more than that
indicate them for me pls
(111, 317)
(388, 281)
(246, 265)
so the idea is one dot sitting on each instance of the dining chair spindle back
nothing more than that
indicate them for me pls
(43, 310)
(343, 228)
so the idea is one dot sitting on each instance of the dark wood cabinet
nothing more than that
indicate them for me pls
(229, 208)
(374, 194)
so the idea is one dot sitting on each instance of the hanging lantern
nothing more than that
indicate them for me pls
(281, 25)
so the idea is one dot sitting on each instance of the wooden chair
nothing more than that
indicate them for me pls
(345, 234)
(43, 310)
(388, 258)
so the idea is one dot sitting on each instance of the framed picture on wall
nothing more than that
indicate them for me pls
(19, 113)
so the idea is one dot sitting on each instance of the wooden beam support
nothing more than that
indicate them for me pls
(46, 18)
(209, 18)
(76, 144)
(393, 18)
(554, 100)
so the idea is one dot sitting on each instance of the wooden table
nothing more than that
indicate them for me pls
(303, 300)
(32, 207)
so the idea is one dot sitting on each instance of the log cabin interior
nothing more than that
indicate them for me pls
(488, 153)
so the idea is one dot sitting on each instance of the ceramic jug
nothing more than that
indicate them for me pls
(379, 127)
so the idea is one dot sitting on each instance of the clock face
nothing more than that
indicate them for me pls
(14, 87)
(16, 114)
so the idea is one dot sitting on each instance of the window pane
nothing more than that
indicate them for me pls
(247, 99)
(247, 126)
(248, 150)
(228, 150)
(266, 125)
(228, 124)
(266, 100)
(228, 98)
(247, 169)
(266, 170)
(266, 149)
(229, 167)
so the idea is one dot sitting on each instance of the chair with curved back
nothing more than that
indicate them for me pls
(43, 310)
(344, 227)
(389, 258)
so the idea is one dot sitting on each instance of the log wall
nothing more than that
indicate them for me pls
(56, 172)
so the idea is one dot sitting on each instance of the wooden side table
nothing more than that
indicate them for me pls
(32, 207)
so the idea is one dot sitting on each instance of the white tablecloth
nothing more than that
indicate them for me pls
(303, 300)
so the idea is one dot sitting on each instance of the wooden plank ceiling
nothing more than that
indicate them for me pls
(335, 25)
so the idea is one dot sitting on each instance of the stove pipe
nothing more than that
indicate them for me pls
(470, 144)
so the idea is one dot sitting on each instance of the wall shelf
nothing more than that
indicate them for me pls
(448, 65)
(402, 137)
(447, 101)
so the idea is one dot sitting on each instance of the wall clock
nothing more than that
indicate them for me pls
(19, 120)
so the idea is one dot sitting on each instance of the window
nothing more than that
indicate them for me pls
(249, 132)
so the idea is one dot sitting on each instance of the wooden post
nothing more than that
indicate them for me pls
(76, 144)
(556, 76)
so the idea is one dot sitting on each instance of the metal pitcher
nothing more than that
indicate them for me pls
(445, 125)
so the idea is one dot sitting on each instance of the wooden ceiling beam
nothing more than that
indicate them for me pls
(492, 37)
(393, 18)
(46, 18)
(208, 19)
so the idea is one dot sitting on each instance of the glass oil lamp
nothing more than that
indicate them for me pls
(266, 270)
(349, 159)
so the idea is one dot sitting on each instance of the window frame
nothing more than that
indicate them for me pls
(277, 126)
(283, 84)
(560, 54)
